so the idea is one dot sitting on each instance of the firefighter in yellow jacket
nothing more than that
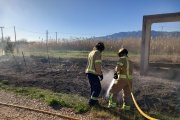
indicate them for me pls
(123, 81)
(94, 72)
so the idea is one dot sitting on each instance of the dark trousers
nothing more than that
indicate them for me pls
(95, 88)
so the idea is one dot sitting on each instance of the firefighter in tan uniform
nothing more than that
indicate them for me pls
(94, 72)
(123, 81)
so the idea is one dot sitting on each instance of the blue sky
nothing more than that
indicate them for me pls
(81, 18)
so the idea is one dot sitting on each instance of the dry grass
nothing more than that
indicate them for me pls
(132, 44)
(162, 49)
(167, 46)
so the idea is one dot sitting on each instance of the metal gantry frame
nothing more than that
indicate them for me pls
(148, 20)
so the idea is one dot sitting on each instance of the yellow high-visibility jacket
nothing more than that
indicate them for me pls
(124, 68)
(94, 62)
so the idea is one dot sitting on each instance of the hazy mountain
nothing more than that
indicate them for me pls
(138, 34)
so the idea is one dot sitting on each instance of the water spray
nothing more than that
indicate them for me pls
(109, 88)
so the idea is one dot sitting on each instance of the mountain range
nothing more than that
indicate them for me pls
(138, 34)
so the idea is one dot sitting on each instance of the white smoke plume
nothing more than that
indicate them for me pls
(107, 84)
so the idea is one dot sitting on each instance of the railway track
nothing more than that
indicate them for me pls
(40, 111)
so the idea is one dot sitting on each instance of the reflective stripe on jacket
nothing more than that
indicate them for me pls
(124, 68)
(94, 62)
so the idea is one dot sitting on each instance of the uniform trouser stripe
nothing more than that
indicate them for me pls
(111, 103)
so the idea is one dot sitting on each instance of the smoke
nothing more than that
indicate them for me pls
(107, 84)
(108, 78)
(171, 74)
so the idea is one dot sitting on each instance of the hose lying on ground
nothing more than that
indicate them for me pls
(41, 111)
(137, 106)
(140, 111)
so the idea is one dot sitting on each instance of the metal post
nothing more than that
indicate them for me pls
(2, 33)
(56, 38)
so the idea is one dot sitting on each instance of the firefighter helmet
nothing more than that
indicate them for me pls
(100, 46)
(122, 51)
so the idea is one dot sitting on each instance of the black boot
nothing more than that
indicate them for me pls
(93, 102)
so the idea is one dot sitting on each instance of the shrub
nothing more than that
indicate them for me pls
(5, 82)
(81, 108)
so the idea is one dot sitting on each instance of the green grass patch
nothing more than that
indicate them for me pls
(70, 54)
(57, 54)
(78, 103)
(135, 57)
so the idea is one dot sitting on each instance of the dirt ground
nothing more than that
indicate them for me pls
(11, 113)
(159, 90)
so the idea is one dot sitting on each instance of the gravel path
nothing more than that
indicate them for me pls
(10, 113)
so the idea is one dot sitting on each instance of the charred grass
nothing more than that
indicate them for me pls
(62, 83)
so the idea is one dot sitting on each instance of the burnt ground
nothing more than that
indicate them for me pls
(61, 75)
(159, 91)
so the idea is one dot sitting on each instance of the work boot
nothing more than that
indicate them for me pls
(125, 107)
(93, 102)
(112, 105)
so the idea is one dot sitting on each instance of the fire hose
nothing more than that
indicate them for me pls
(140, 111)
(137, 106)
(41, 111)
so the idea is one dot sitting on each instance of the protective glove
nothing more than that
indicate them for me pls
(115, 76)
(101, 77)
